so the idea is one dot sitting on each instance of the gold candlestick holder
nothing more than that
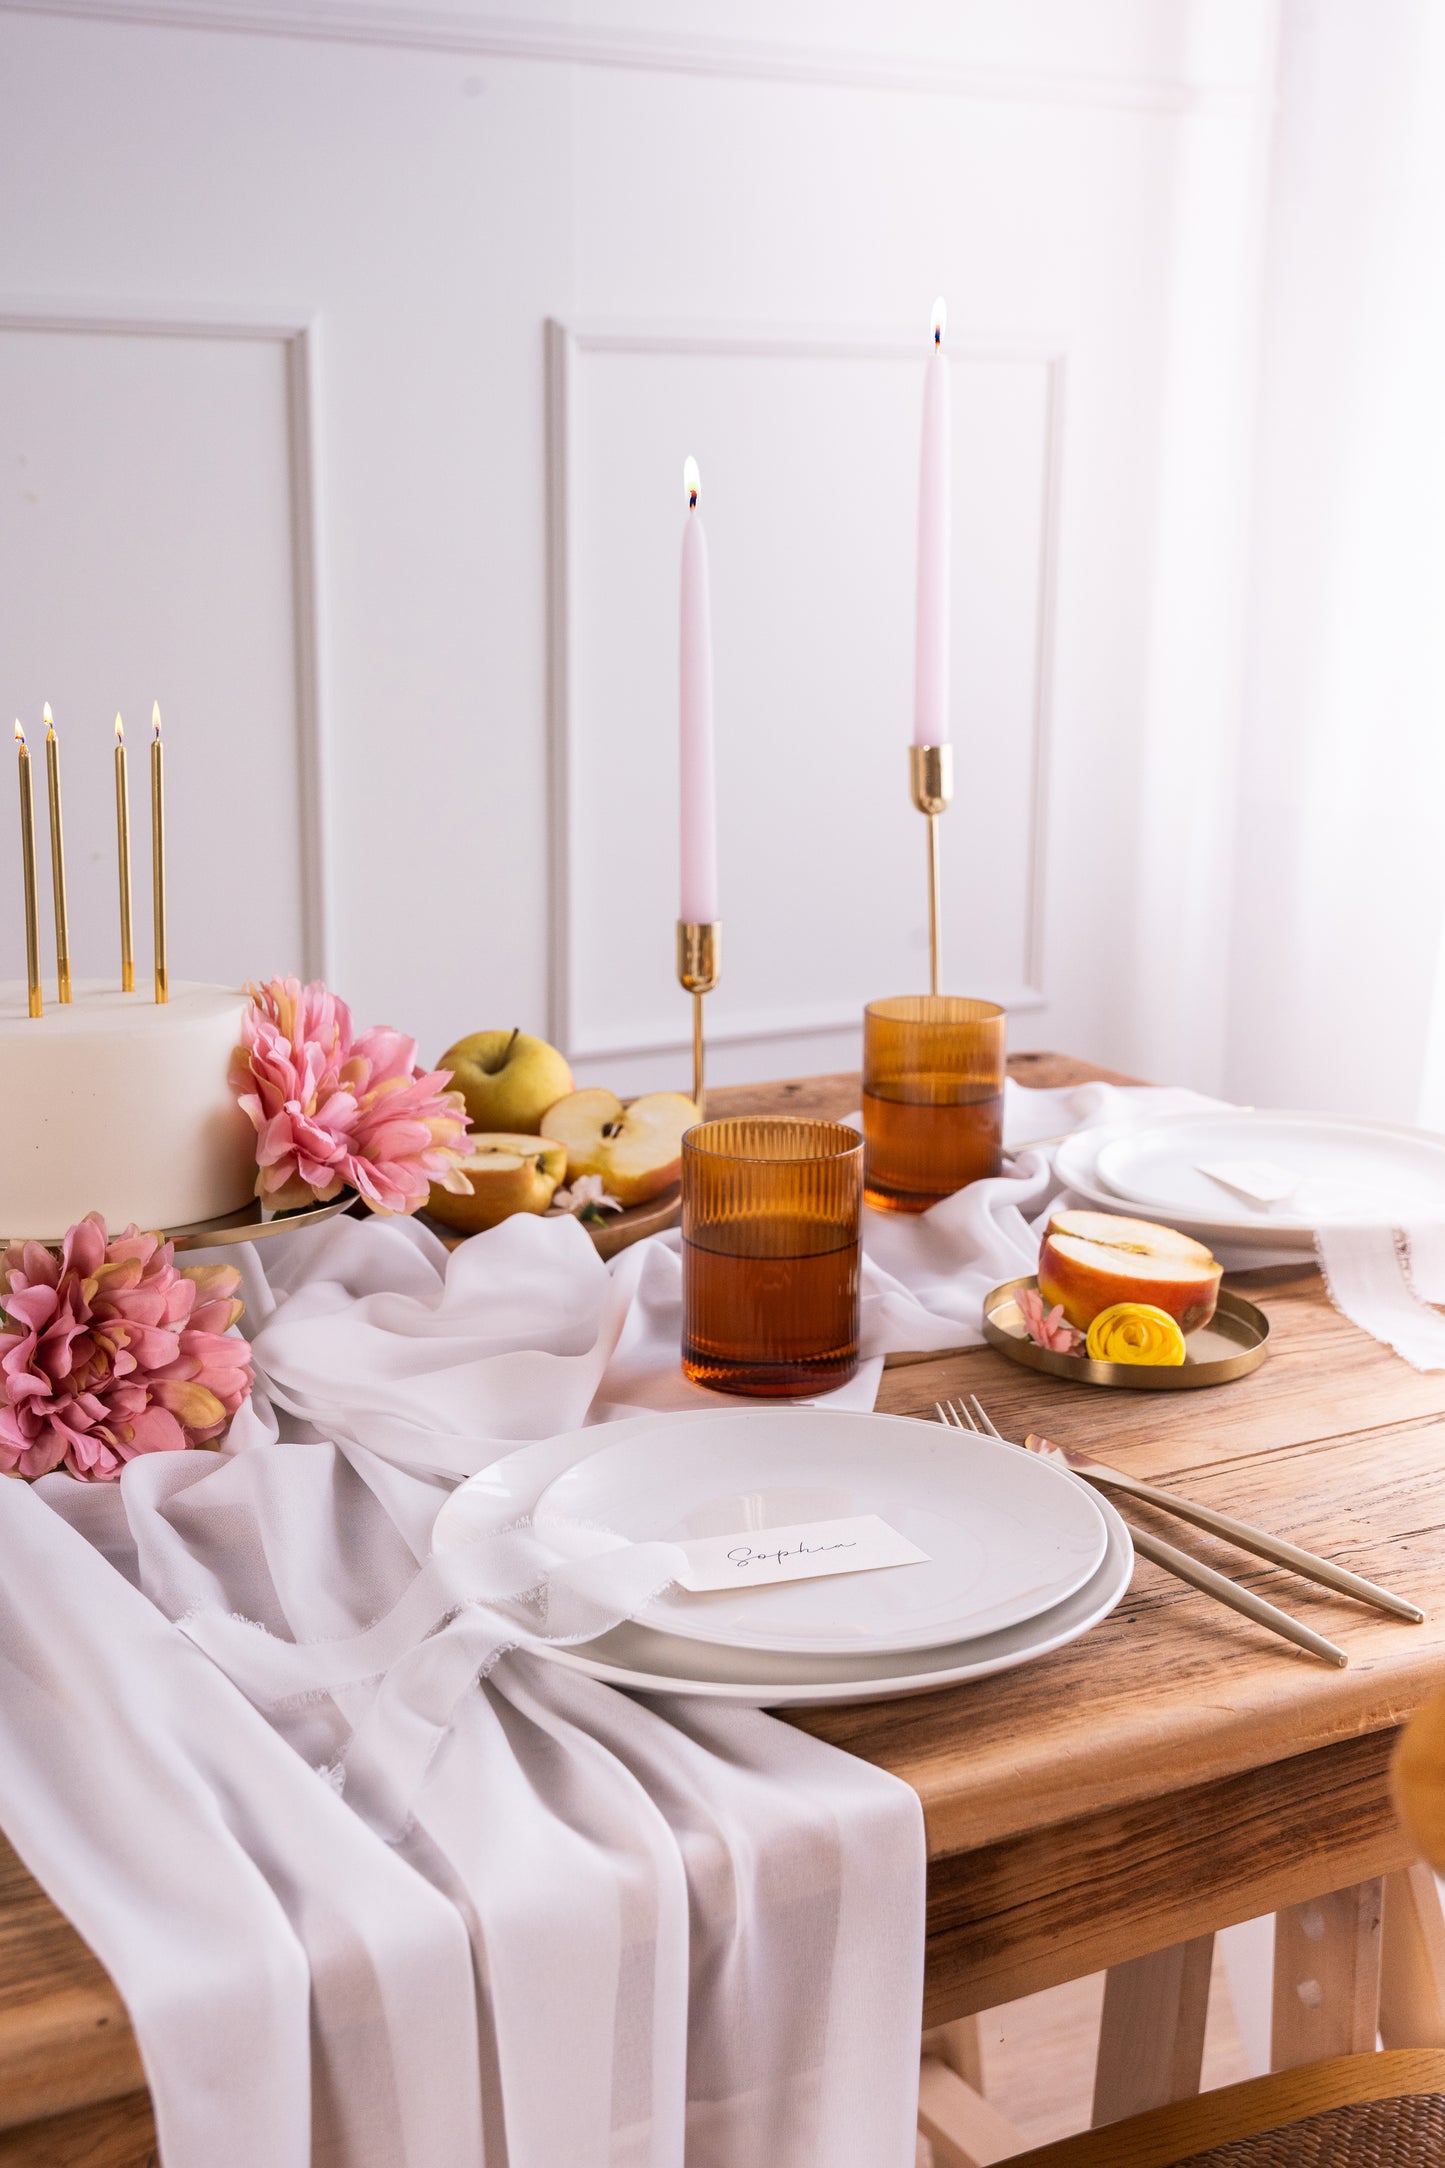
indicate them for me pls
(930, 774)
(699, 967)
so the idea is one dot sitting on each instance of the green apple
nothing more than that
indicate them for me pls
(636, 1149)
(508, 1174)
(507, 1079)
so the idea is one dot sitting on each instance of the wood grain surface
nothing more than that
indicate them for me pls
(1174, 1771)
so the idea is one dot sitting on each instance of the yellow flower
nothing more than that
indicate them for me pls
(1135, 1332)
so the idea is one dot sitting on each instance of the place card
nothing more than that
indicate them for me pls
(804, 1552)
(1258, 1180)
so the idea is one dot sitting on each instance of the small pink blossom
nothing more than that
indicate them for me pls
(586, 1198)
(108, 1350)
(332, 1110)
(1052, 1329)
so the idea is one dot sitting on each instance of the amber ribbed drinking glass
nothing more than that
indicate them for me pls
(770, 1217)
(933, 1070)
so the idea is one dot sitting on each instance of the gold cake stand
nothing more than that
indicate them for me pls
(252, 1223)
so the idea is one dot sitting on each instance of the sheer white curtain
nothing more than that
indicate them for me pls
(1337, 979)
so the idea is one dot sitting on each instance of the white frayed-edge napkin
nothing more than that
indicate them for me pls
(1384, 1279)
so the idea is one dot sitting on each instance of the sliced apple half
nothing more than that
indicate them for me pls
(508, 1173)
(636, 1149)
(1091, 1260)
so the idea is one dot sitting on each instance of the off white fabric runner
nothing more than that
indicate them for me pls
(382, 1886)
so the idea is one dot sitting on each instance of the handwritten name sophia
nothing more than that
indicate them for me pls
(743, 1555)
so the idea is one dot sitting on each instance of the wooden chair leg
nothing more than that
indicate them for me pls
(1151, 2036)
(959, 2124)
(1412, 1961)
(959, 2046)
(1327, 1977)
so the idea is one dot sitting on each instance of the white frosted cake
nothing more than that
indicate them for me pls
(118, 1104)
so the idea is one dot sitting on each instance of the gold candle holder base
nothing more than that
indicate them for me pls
(930, 776)
(699, 966)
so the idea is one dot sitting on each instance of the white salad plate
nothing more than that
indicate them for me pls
(639, 1661)
(1008, 1536)
(1075, 1164)
(1332, 1172)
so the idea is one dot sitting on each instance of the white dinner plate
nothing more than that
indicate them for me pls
(1075, 1166)
(642, 1662)
(1007, 1536)
(1347, 1172)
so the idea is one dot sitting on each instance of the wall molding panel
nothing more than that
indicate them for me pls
(573, 910)
(296, 334)
(472, 30)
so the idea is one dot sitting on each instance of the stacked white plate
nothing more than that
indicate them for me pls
(1021, 1556)
(1258, 1180)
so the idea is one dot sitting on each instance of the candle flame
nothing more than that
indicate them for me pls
(939, 320)
(49, 721)
(156, 719)
(19, 733)
(691, 479)
(119, 731)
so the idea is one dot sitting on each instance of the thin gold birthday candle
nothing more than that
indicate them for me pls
(57, 858)
(122, 856)
(158, 855)
(27, 860)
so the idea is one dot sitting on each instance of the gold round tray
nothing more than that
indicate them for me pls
(618, 1231)
(1234, 1342)
(252, 1223)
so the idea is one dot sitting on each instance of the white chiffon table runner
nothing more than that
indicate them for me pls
(381, 1886)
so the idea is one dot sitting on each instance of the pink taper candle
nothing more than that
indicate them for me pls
(699, 790)
(930, 685)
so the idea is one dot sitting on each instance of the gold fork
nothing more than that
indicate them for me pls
(1159, 1553)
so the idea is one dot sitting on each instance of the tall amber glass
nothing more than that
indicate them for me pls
(933, 1070)
(770, 1218)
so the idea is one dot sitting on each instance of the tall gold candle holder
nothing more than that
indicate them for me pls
(27, 860)
(699, 966)
(930, 773)
(57, 858)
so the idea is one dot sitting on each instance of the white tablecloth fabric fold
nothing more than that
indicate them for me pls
(382, 1886)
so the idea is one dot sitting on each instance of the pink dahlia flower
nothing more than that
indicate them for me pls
(332, 1110)
(109, 1351)
(286, 1073)
(409, 1129)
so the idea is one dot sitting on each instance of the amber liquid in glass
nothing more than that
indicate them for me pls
(921, 1149)
(802, 1309)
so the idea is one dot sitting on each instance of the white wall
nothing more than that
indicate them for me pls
(348, 358)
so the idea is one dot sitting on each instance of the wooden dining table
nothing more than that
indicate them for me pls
(1103, 1808)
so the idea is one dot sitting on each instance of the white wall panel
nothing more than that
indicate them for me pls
(146, 552)
(809, 451)
(429, 184)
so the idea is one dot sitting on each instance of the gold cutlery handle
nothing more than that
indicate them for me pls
(1238, 1599)
(1258, 1540)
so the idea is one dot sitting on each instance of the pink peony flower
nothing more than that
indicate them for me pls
(332, 1110)
(1049, 1329)
(109, 1351)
